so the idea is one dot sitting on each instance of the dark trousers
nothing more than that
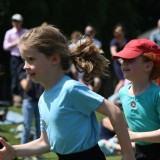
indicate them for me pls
(15, 64)
(93, 153)
(148, 152)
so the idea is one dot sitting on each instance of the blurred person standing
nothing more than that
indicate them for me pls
(155, 35)
(96, 83)
(90, 31)
(77, 39)
(117, 44)
(10, 43)
(74, 37)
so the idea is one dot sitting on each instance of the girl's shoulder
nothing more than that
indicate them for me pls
(113, 42)
(125, 88)
(74, 84)
(155, 87)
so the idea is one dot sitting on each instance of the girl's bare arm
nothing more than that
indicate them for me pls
(120, 127)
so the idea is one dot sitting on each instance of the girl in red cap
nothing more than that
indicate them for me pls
(141, 98)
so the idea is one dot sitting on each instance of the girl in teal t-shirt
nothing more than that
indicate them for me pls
(141, 98)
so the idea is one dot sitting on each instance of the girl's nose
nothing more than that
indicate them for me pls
(26, 66)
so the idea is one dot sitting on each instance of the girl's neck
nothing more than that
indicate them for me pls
(53, 80)
(139, 87)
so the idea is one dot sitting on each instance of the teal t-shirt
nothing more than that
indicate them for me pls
(68, 117)
(142, 112)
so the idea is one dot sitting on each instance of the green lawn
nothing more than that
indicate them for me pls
(7, 132)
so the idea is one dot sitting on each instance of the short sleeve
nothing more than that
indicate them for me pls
(85, 100)
(42, 125)
(113, 43)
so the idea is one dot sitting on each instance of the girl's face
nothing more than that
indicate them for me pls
(36, 64)
(134, 69)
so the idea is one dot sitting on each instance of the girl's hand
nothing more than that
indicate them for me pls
(7, 152)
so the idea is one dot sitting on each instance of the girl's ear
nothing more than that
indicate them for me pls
(55, 59)
(149, 66)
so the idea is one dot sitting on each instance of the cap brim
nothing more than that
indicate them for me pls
(127, 54)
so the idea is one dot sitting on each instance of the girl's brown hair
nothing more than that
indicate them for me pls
(155, 58)
(86, 56)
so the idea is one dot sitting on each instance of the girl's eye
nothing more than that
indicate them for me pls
(129, 60)
(30, 59)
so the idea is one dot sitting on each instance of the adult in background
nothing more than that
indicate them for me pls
(90, 31)
(10, 43)
(74, 38)
(117, 44)
(155, 35)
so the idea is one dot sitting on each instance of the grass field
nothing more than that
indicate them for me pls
(7, 132)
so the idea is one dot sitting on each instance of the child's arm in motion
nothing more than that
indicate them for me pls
(120, 127)
(36, 147)
(150, 136)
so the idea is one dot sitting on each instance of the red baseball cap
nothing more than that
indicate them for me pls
(137, 47)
